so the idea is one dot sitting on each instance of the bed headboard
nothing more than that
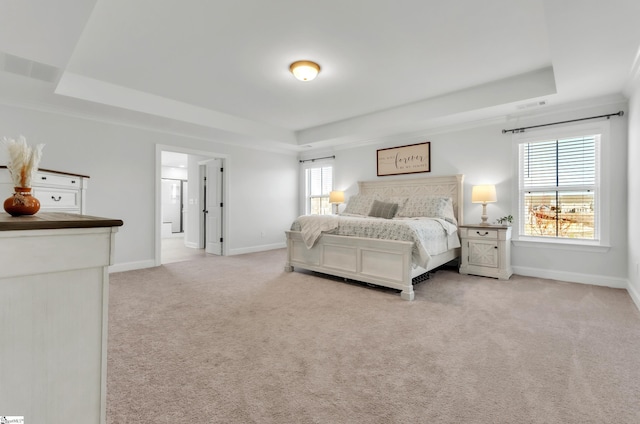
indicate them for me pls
(448, 186)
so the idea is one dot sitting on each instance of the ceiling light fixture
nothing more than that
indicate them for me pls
(304, 70)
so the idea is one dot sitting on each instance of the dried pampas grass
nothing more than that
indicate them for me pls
(23, 160)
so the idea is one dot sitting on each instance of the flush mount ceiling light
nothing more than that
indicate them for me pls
(304, 70)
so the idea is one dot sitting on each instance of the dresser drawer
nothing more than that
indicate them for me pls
(56, 198)
(480, 233)
(42, 178)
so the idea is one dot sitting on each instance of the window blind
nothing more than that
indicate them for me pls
(320, 180)
(559, 163)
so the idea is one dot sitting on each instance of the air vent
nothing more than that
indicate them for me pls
(29, 68)
(532, 105)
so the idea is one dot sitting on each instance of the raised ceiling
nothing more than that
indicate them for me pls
(219, 69)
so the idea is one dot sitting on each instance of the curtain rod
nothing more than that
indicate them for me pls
(520, 130)
(313, 160)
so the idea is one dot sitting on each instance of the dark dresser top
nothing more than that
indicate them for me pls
(54, 220)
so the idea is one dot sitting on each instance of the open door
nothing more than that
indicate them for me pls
(213, 206)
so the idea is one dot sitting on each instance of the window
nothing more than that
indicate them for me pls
(559, 188)
(318, 184)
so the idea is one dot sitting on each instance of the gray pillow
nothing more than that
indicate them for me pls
(383, 209)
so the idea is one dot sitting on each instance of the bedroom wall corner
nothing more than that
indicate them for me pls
(633, 188)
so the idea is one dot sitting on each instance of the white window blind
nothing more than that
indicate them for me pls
(559, 182)
(318, 183)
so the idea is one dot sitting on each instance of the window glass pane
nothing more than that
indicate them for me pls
(559, 214)
(320, 206)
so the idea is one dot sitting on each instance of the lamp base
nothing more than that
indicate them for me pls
(484, 216)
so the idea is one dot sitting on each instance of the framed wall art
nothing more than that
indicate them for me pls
(409, 159)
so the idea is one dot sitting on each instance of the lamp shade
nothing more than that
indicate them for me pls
(336, 197)
(304, 70)
(483, 194)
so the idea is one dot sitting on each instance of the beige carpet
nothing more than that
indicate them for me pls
(174, 250)
(237, 340)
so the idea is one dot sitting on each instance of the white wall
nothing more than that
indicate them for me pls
(263, 195)
(121, 163)
(484, 155)
(633, 159)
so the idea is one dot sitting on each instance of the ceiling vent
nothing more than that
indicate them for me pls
(532, 105)
(29, 68)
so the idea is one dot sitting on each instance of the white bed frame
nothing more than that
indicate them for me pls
(383, 262)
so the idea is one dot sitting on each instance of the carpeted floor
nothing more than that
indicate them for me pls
(237, 340)
(174, 250)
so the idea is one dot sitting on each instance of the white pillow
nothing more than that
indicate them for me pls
(448, 214)
(428, 206)
(360, 204)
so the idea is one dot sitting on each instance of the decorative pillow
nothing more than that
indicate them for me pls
(428, 206)
(360, 204)
(383, 209)
(401, 201)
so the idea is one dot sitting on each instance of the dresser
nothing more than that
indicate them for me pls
(54, 287)
(57, 191)
(486, 250)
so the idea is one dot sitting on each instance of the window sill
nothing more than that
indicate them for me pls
(562, 245)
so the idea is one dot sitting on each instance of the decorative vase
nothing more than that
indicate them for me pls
(22, 202)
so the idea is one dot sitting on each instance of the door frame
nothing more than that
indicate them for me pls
(158, 200)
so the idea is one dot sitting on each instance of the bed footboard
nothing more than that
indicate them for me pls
(386, 263)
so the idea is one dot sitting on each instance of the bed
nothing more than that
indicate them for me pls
(384, 262)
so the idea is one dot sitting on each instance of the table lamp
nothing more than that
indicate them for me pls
(484, 194)
(335, 198)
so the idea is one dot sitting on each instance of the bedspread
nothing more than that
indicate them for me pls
(430, 236)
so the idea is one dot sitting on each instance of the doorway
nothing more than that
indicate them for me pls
(196, 227)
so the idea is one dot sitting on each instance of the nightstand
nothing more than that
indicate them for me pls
(486, 250)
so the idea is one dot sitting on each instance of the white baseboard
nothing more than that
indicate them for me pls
(173, 235)
(573, 277)
(634, 293)
(192, 245)
(260, 248)
(130, 266)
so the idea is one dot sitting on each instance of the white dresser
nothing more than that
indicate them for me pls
(57, 191)
(54, 286)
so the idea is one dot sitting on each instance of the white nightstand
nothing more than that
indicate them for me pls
(486, 250)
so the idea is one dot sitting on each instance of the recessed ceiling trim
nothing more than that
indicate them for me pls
(81, 87)
(403, 118)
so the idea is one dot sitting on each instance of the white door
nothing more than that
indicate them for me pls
(213, 208)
